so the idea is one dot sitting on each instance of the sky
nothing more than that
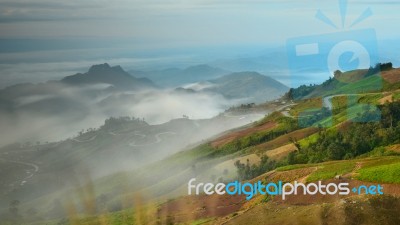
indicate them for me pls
(61, 37)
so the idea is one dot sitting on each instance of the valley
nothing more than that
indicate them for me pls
(199, 112)
(293, 154)
(130, 171)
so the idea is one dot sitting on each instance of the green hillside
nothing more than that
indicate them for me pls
(303, 141)
(381, 78)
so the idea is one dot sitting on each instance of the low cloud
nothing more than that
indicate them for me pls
(53, 116)
(162, 106)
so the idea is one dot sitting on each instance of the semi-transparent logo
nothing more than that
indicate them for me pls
(346, 56)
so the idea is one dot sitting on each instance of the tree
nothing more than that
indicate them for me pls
(337, 74)
(291, 158)
(335, 151)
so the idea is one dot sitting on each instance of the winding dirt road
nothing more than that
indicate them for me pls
(30, 172)
(88, 140)
(157, 136)
(121, 132)
(327, 101)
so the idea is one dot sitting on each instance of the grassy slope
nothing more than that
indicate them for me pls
(205, 156)
(324, 171)
(353, 83)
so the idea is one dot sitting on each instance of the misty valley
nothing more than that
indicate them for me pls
(60, 136)
(108, 147)
(199, 112)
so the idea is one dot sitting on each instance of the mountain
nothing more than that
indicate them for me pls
(246, 87)
(69, 93)
(174, 77)
(83, 100)
(74, 102)
(33, 169)
(97, 80)
(270, 59)
(280, 148)
(284, 146)
(106, 74)
(199, 70)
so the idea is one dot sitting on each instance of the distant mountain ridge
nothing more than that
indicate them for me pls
(104, 73)
(175, 77)
(247, 86)
(82, 99)
(97, 74)
(71, 103)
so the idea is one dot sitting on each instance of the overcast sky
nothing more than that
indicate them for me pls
(187, 21)
(100, 29)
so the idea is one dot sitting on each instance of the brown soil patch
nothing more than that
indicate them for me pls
(392, 76)
(281, 152)
(343, 126)
(395, 148)
(304, 179)
(285, 139)
(354, 173)
(276, 154)
(225, 139)
(229, 164)
(385, 99)
(291, 175)
(274, 214)
(192, 208)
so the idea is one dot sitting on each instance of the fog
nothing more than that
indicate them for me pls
(60, 131)
(39, 117)
(162, 106)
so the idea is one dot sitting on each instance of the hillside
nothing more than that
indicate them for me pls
(55, 110)
(308, 155)
(35, 112)
(43, 172)
(251, 85)
(243, 87)
(295, 143)
(383, 77)
(210, 162)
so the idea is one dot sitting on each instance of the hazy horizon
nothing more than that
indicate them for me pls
(44, 40)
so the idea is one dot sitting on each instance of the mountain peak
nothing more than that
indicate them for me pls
(104, 73)
(118, 68)
(99, 68)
